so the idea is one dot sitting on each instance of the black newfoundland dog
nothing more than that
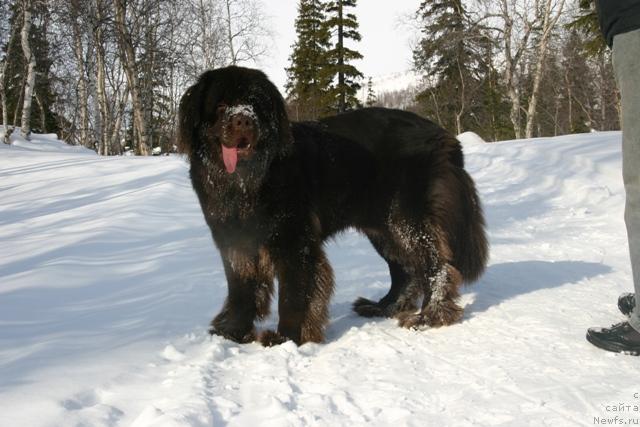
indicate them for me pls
(273, 191)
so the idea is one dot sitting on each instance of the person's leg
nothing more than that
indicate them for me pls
(626, 63)
(624, 337)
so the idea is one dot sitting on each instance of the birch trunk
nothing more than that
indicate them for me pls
(549, 21)
(514, 46)
(83, 92)
(512, 82)
(129, 61)
(569, 100)
(3, 83)
(16, 112)
(114, 141)
(103, 103)
(3, 98)
(31, 70)
(230, 36)
(43, 114)
(511, 77)
(148, 68)
(101, 93)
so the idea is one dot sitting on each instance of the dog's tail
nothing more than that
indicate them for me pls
(456, 210)
(470, 247)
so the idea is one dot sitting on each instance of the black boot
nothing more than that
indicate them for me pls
(626, 303)
(620, 338)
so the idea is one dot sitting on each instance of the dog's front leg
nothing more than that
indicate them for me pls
(250, 285)
(305, 288)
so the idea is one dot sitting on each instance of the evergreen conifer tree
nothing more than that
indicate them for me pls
(489, 110)
(587, 23)
(344, 26)
(372, 99)
(449, 60)
(309, 76)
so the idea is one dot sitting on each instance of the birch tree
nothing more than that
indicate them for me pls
(206, 35)
(77, 15)
(523, 27)
(27, 7)
(98, 24)
(246, 34)
(550, 12)
(518, 22)
(128, 54)
(8, 35)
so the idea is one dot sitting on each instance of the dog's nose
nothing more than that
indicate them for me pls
(242, 122)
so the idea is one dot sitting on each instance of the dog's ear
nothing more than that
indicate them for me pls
(189, 119)
(279, 114)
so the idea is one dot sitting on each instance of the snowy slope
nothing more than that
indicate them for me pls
(394, 83)
(108, 278)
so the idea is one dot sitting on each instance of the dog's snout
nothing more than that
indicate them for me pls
(242, 122)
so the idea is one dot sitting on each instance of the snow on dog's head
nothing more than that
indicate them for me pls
(234, 119)
(239, 130)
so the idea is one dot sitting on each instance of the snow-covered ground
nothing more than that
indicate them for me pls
(108, 278)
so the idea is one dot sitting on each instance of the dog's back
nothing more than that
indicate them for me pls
(417, 158)
(394, 134)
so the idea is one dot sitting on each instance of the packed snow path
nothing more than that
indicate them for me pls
(109, 277)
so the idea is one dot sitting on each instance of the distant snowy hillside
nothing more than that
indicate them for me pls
(108, 278)
(395, 90)
(395, 82)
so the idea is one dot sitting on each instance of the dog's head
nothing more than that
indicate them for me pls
(236, 117)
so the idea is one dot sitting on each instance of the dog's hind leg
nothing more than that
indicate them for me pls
(440, 306)
(403, 293)
(427, 256)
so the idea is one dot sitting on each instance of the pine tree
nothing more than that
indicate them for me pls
(449, 60)
(372, 99)
(489, 110)
(344, 26)
(578, 82)
(309, 77)
(587, 23)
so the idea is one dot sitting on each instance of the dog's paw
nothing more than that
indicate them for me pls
(412, 320)
(237, 336)
(270, 338)
(434, 316)
(443, 314)
(368, 308)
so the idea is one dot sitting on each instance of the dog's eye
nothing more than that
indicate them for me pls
(220, 109)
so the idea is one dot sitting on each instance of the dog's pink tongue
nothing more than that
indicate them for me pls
(230, 158)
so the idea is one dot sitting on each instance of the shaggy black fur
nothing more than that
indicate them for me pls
(273, 191)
